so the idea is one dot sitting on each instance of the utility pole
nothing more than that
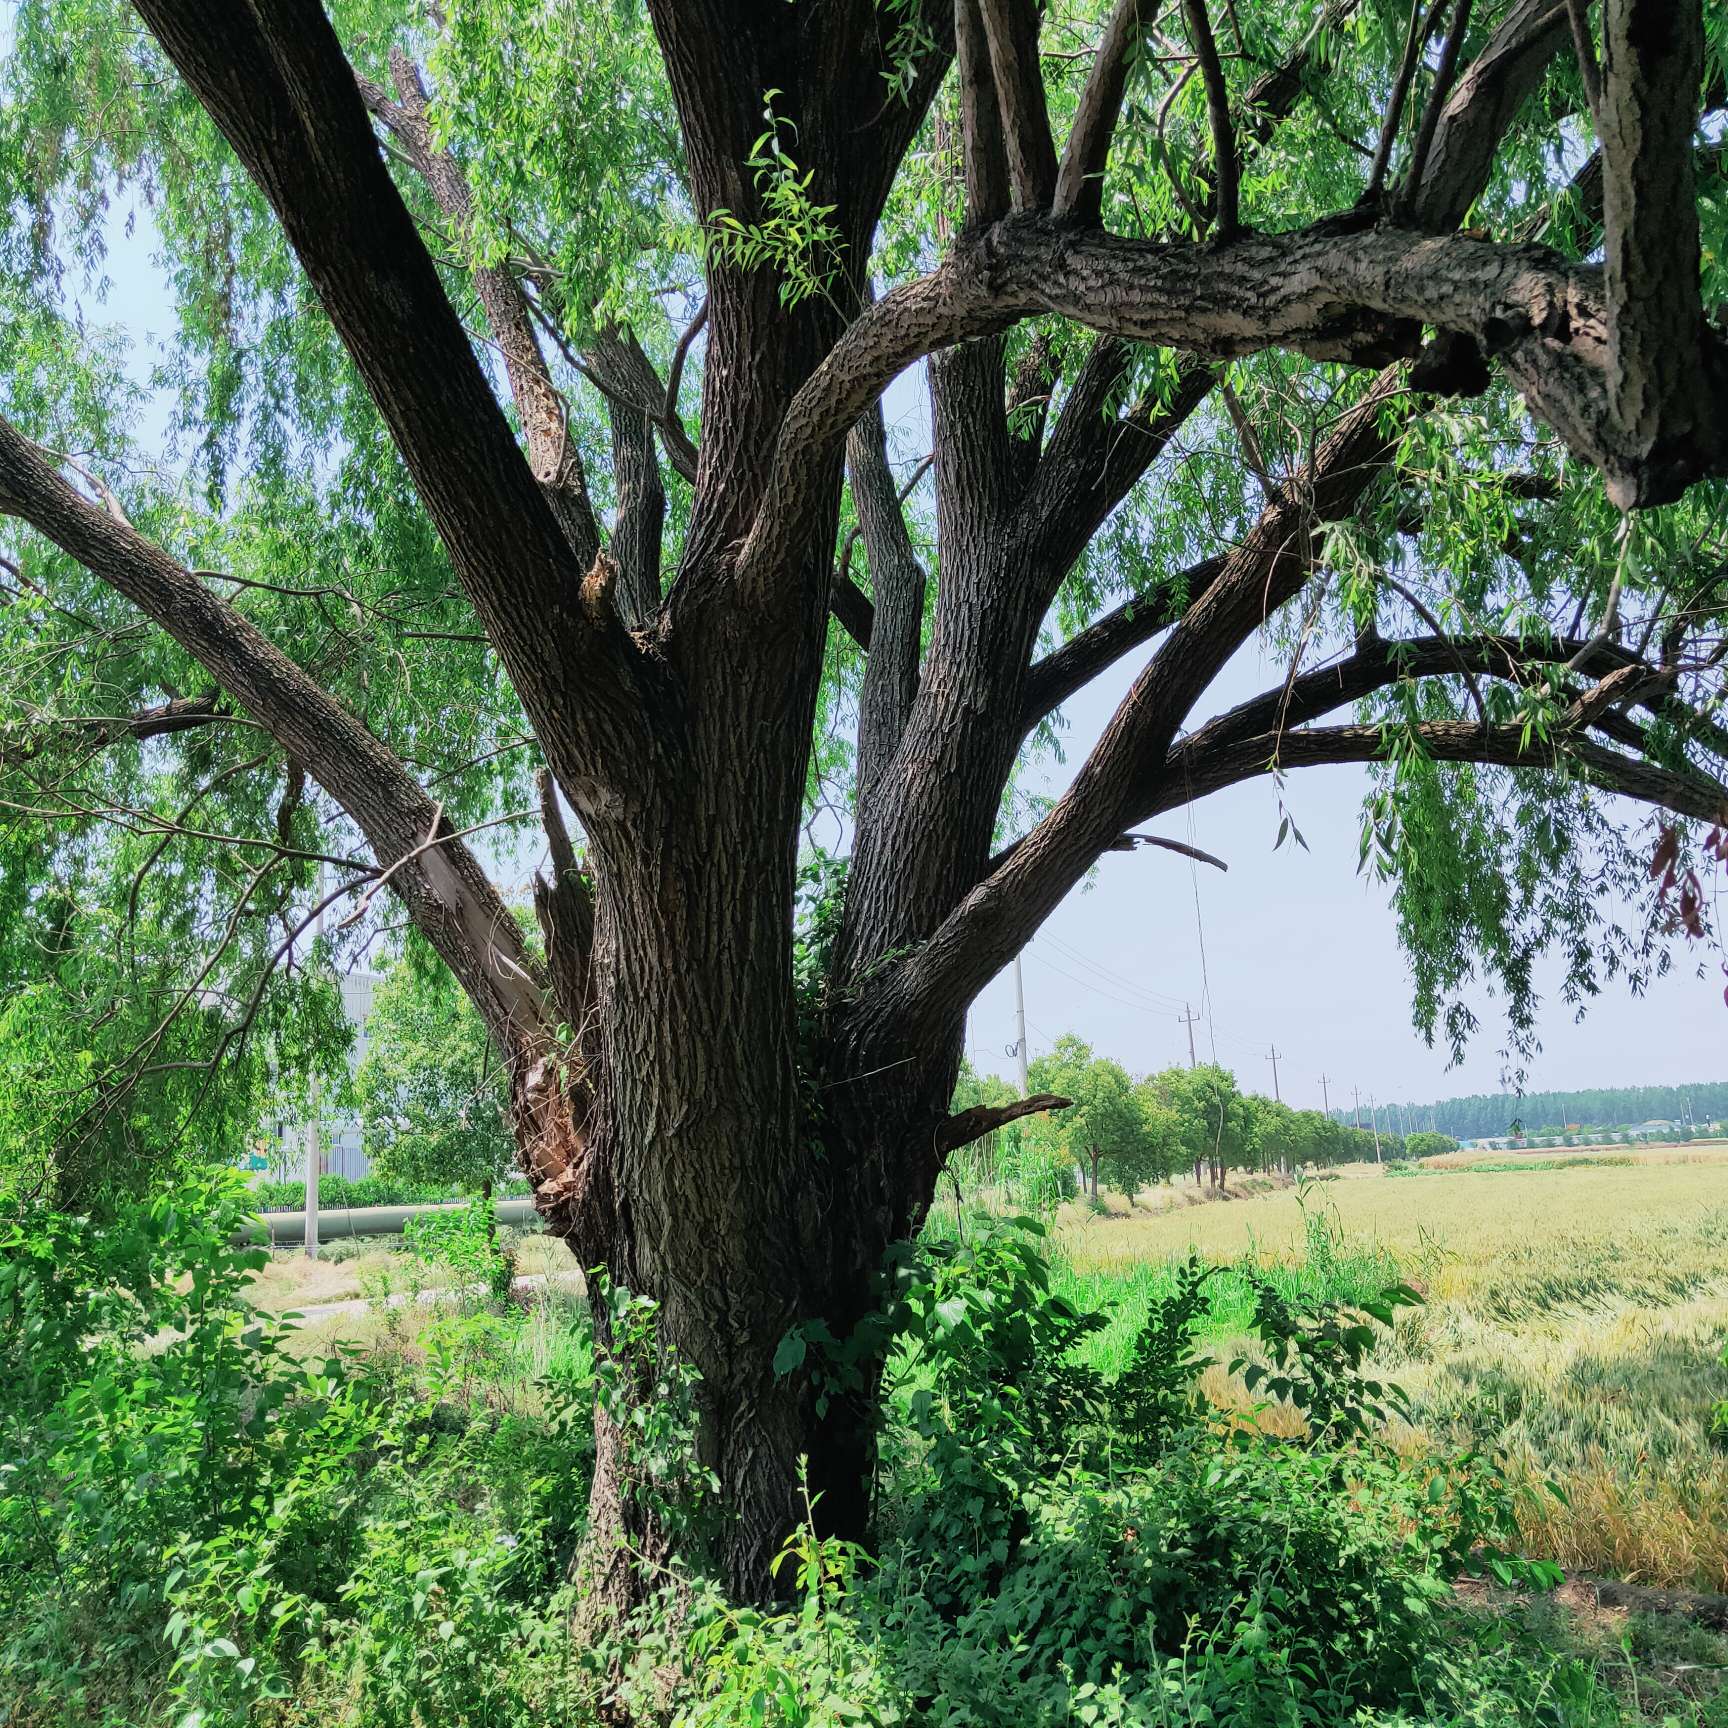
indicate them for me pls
(314, 1130)
(1188, 1017)
(1020, 1026)
(1273, 1059)
(1374, 1117)
(1356, 1107)
(1325, 1097)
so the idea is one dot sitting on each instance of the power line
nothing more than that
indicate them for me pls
(1215, 1027)
(1097, 990)
(1068, 951)
(1020, 1024)
(1200, 932)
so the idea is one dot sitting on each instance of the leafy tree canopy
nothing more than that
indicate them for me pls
(433, 1098)
(506, 487)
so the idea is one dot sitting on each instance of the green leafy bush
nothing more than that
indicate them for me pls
(195, 1521)
(335, 1192)
(150, 1418)
(200, 1529)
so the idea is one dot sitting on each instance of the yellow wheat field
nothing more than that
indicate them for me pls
(1575, 1323)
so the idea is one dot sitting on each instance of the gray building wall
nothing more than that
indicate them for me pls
(344, 1149)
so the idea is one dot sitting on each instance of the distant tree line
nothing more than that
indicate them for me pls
(1546, 1113)
(1123, 1132)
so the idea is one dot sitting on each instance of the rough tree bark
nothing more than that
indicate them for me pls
(680, 1133)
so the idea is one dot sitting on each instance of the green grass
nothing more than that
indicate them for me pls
(1128, 1293)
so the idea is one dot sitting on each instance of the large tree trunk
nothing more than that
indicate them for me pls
(740, 1215)
(733, 1169)
(687, 1140)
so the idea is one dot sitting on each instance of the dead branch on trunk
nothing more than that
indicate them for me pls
(965, 1126)
(1132, 842)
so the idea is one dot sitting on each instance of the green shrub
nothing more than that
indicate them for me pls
(467, 1242)
(337, 1192)
(195, 1522)
(434, 1622)
(151, 1418)
(198, 1529)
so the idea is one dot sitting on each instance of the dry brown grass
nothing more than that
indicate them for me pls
(290, 1280)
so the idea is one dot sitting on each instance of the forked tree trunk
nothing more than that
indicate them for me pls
(741, 1182)
(709, 1163)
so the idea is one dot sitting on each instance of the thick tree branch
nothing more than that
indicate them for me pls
(160, 720)
(1065, 671)
(1011, 29)
(1356, 296)
(552, 453)
(1444, 75)
(274, 79)
(853, 608)
(1490, 92)
(1378, 663)
(1665, 375)
(640, 519)
(564, 907)
(897, 581)
(444, 888)
(1691, 794)
(675, 374)
(621, 368)
(1080, 180)
(1578, 17)
(983, 150)
(1226, 169)
(1095, 458)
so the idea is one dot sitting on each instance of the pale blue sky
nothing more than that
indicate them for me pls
(1299, 950)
